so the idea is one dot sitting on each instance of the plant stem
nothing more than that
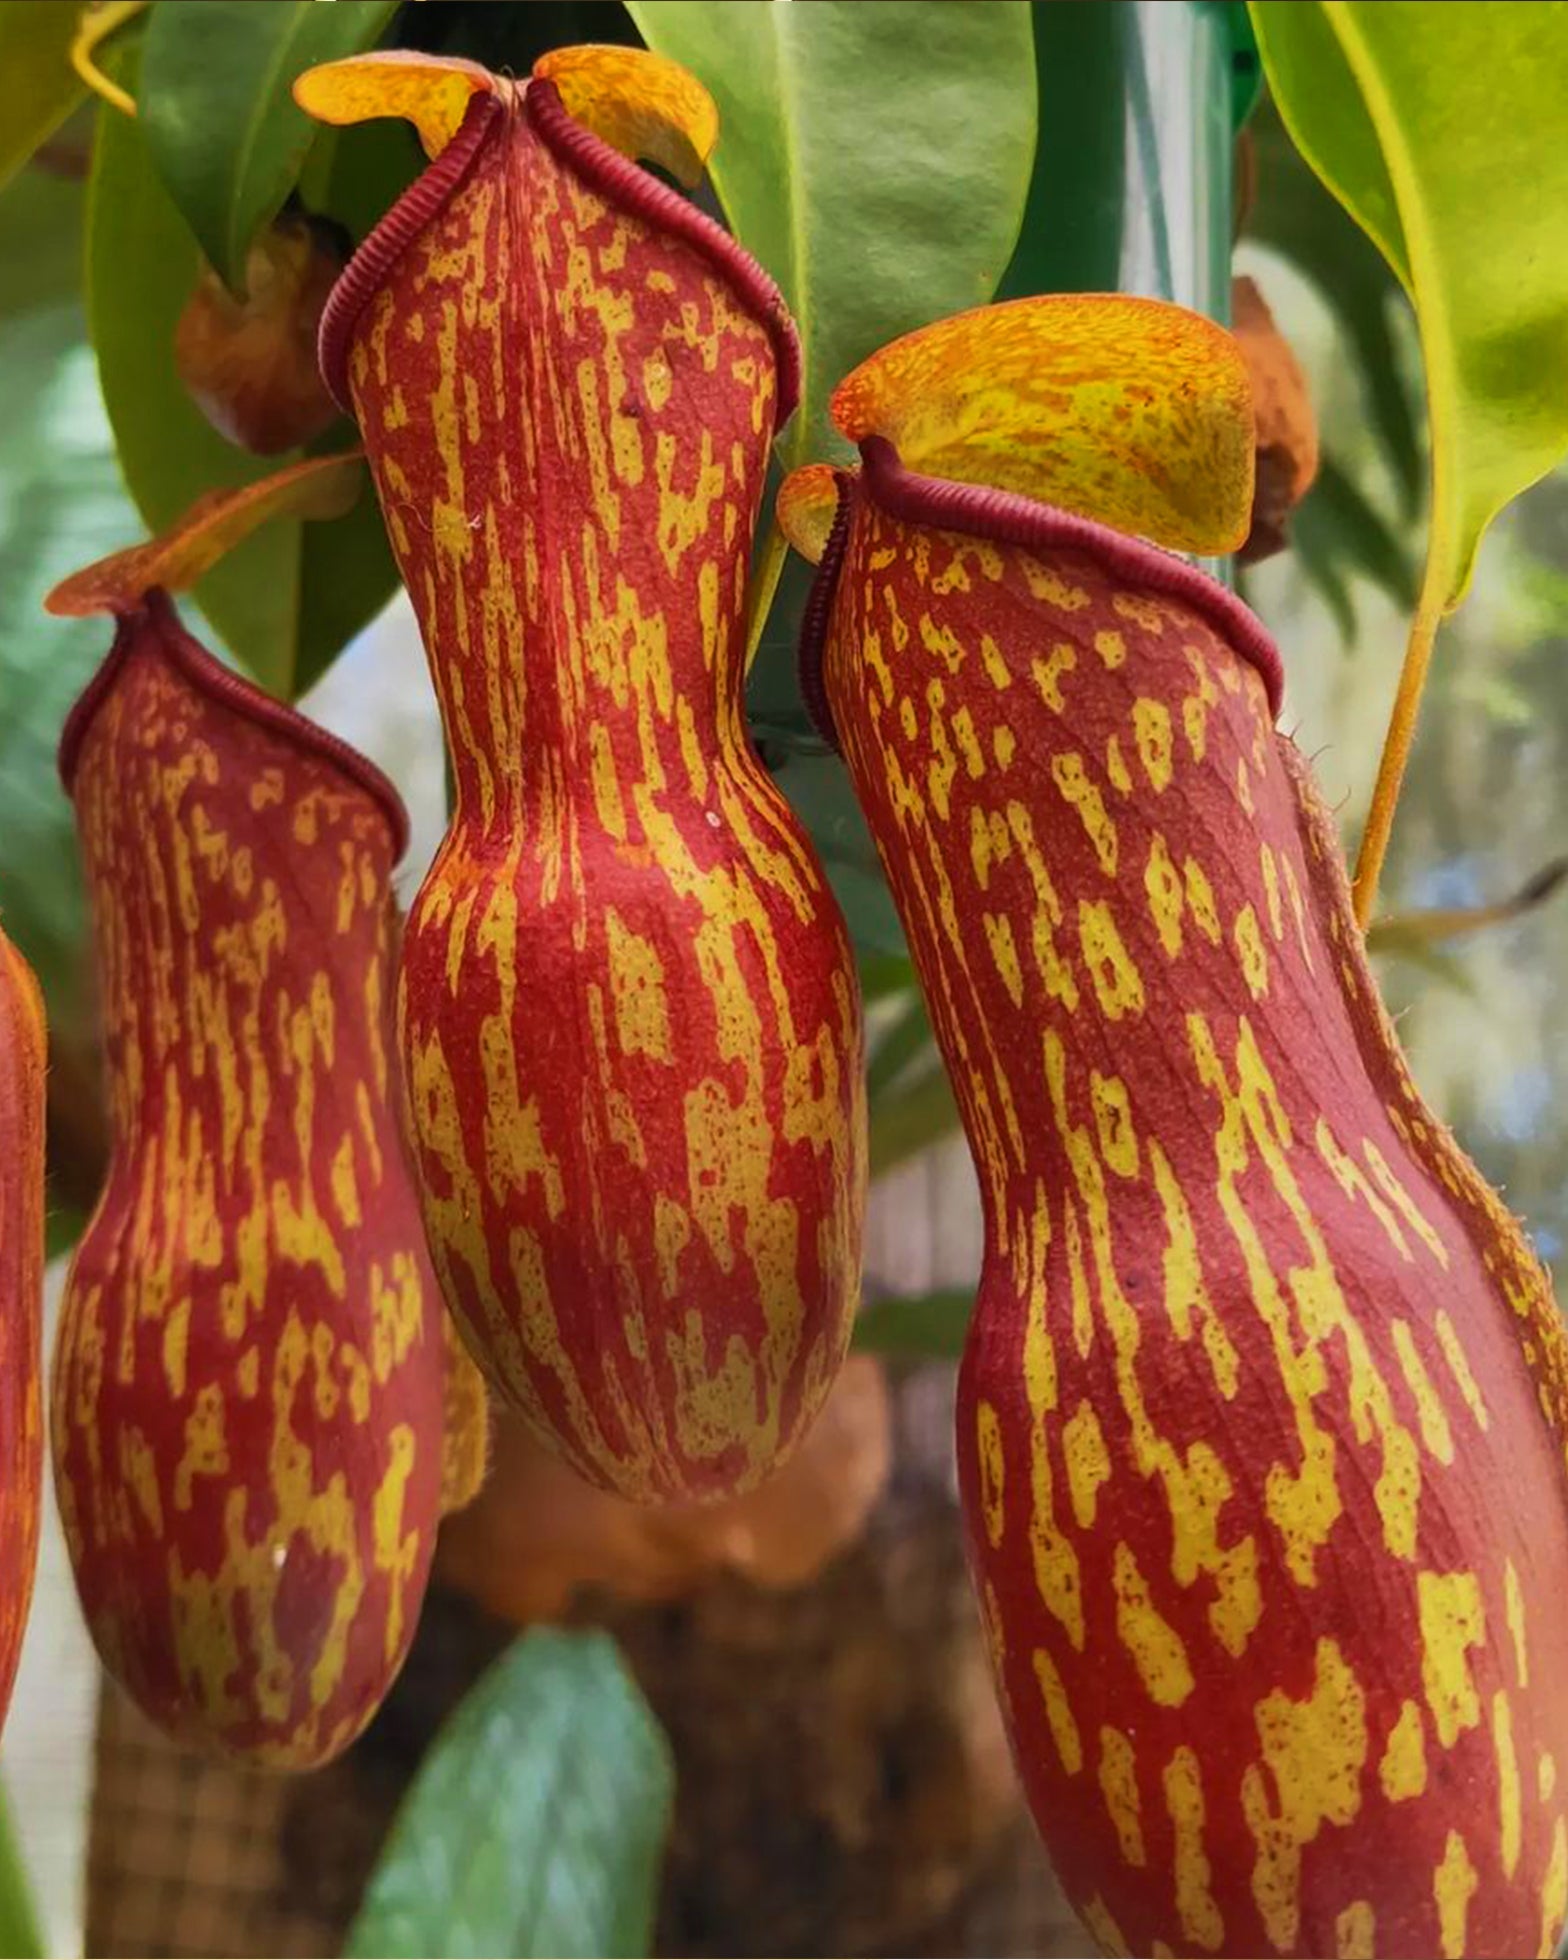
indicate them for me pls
(1396, 754)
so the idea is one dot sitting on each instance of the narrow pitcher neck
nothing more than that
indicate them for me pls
(567, 394)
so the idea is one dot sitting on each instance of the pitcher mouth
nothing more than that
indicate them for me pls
(624, 183)
(384, 244)
(1004, 517)
(231, 691)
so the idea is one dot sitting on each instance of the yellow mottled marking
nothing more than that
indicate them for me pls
(1196, 1485)
(1055, 970)
(1247, 938)
(1151, 729)
(1185, 1290)
(1453, 1620)
(1200, 900)
(1083, 796)
(1402, 1772)
(989, 843)
(994, 661)
(1056, 1570)
(968, 744)
(1118, 985)
(345, 1187)
(1271, 895)
(988, 1444)
(1200, 1915)
(1403, 1203)
(642, 1015)
(1062, 659)
(139, 1468)
(1352, 1180)
(1088, 1463)
(1313, 1753)
(1058, 1713)
(1162, 883)
(1430, 1413)
(1004, 955)
(1453, 1886)
(1459, 1367)
(1154, 1644)
(1355, 1932)
(396, 1550)
(1119, 1786)
(1305, 1504)
(1113, 1123)
(1513, 1602)
(1102, 1928)
(1117, 773)
(1545, 1775)
(1509, 1815)
(176, 1346)
(206, 1451)
(1554, 1890)
(1195, 724)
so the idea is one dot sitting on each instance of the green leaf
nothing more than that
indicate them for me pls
(221, 125)
(926, 1326)
(38, 86)
(874, 158)
(284, 605)
(1462, 183)
(1295, 216)
(41, 238)
(884, 974)
(1246, 70)
(818, 788)
(1338, 531)
(905, 1039)
(21, 1936)
(61, 505)
(910, 1119)
(1071, 236)
(141, 265)
(536, 1824)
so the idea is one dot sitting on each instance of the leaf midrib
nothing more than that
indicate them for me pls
(235, 243)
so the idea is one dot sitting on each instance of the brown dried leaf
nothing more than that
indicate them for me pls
(1287, 430)
(250, 364)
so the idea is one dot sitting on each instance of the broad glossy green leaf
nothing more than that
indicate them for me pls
(1133, 163)
(221, 124)
(1293, 214)
(38, 86)
(875, 158)
(141, 264)
(1071, 236)
(284, 606)
(61, 505)
(536, 1824)
(924, 1326)
(1444, 131)
(41, 238)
